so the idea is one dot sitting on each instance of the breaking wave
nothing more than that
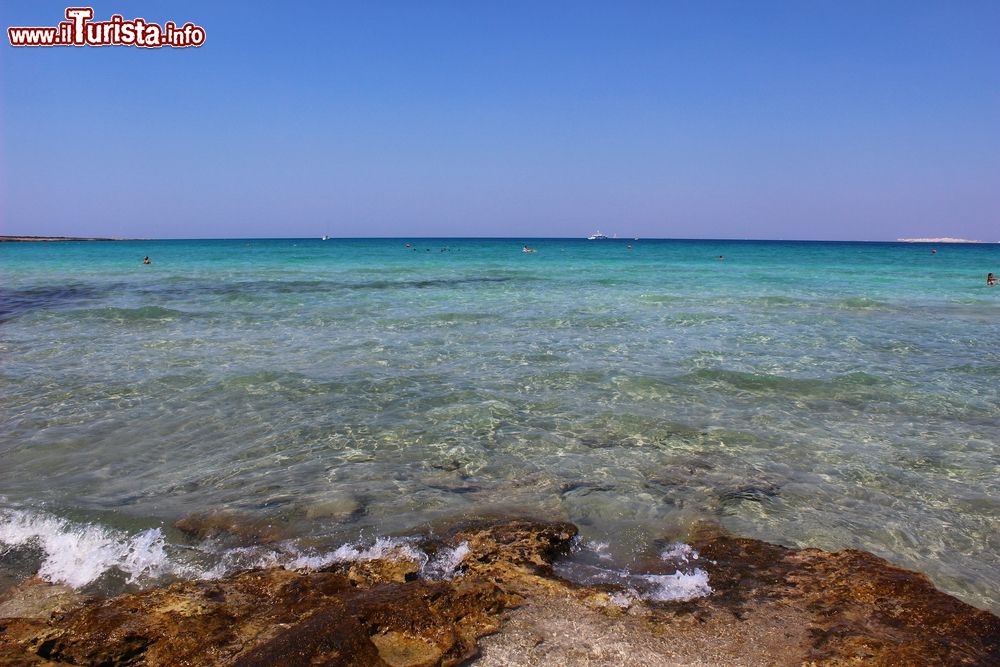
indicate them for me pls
(685, 583)
(79, 554)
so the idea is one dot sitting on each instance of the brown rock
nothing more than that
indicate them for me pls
(529, 546)
(771, 605)
(275, 617)
(242, 529)
(859, 609)
(37, 598)
(341, 507)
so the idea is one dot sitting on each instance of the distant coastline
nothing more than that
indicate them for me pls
(943, 239)
(29, 239)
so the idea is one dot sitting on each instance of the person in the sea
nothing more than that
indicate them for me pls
(990, 280)
(146, 260)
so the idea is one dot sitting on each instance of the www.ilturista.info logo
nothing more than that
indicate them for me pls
(79, 30)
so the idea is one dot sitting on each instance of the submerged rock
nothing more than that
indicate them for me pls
(340, 508)
(769, 605)
(36, 598)
(236, 527)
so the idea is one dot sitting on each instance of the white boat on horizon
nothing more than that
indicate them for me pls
(325, 238)
(597, 236)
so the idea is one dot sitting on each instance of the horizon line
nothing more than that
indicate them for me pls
(911, 240)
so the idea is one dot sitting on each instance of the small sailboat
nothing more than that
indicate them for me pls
(326, 237)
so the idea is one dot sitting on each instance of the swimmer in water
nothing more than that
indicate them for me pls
(527, 249)
(146, 260)
(990, 280)
(722, 257)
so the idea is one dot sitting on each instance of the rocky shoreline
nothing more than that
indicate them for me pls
(505, 605)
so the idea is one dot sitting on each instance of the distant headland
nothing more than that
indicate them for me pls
(25, 239)
(943, 239)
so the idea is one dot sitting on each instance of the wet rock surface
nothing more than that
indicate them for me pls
(504, 606)
(36, 598)
(861, 609)
(231, 526)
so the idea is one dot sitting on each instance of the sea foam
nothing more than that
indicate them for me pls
(686, 583)
(77, 554)
(445, 564)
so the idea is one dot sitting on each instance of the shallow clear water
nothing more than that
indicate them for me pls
(813, 394)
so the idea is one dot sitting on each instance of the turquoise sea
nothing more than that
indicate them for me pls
(319, 393)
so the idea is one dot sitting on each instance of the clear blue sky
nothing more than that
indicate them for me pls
(812, 119)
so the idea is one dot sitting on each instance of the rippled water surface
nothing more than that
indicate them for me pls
(813, 394)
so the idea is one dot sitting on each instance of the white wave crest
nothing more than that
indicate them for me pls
(78, 553)
(683, 585)
(677, 587)
(446, 562)
(288, 555)
(384, 548)
(679, 552)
